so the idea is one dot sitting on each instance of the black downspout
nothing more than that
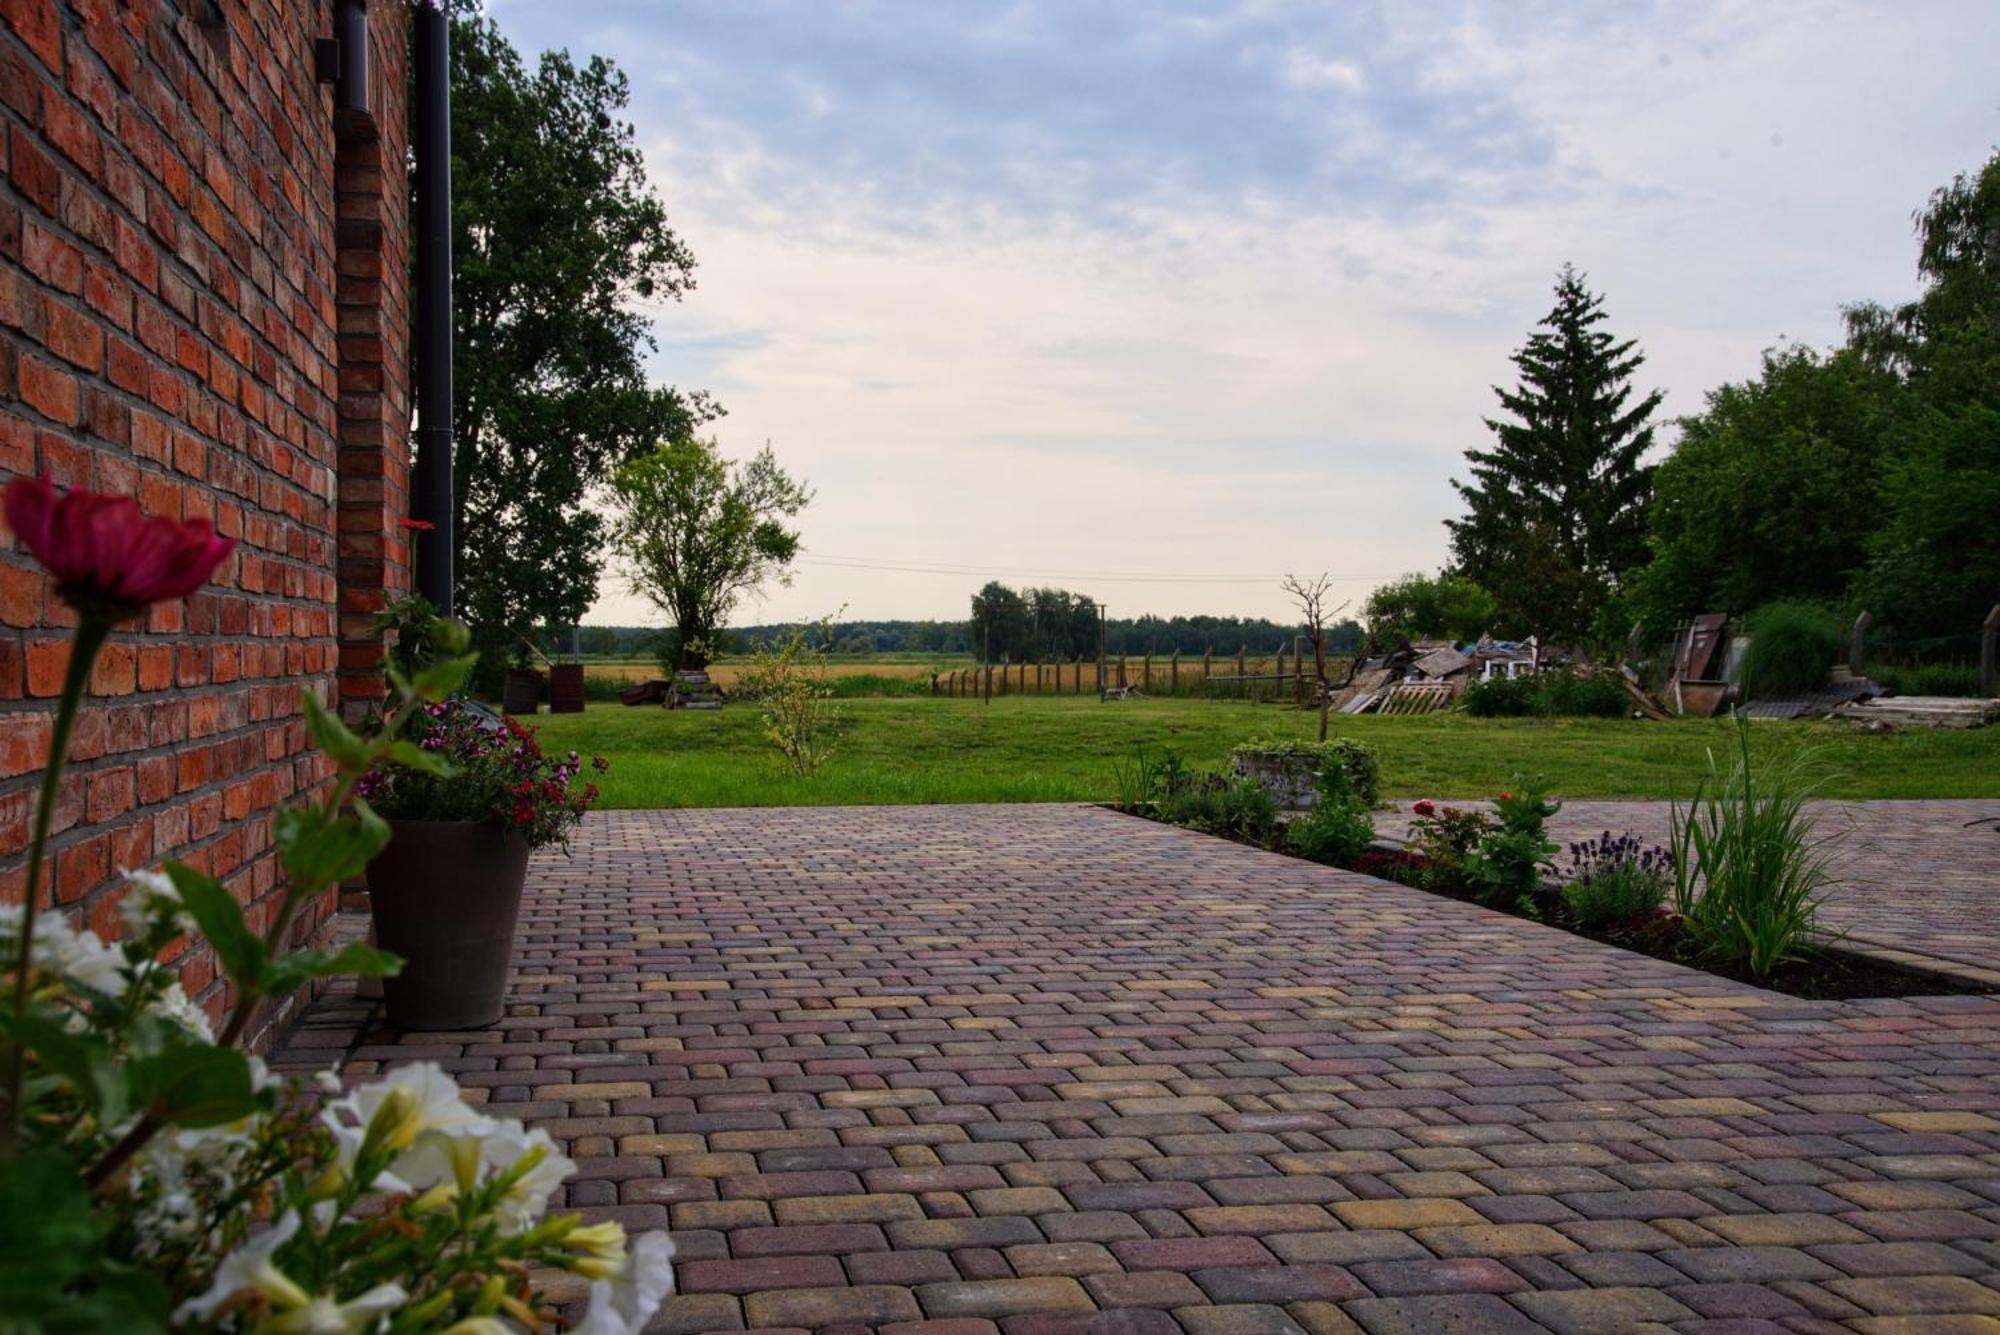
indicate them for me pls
(432, 469)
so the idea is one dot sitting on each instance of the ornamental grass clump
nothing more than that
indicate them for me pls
(153, 1175)
(1750, 871)
(1613, 880)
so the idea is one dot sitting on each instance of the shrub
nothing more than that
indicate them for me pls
(1613, 880)
(1749, 869)
(1445, 838)
(1557, 694)
(1338, 829)
(789, 683)
(1792, 647)
(1144, 777)
(1506, 868)
(1218, 804)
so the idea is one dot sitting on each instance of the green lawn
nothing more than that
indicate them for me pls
(1028, 749)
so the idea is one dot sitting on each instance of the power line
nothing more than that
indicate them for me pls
(1129, 577)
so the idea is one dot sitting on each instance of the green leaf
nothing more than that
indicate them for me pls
(84, 1059)
(196, 1084)
(348, 752)
(319, 849)
(221, 919)
(412, 756)
(47, 1236)
(353, 959)
(443, 677)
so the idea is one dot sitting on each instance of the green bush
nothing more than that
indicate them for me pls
(1793, 646)
(1960, 679)
(1557, 694)
(1749, 870)
(1506, 868)
(1443, 839)
(1338, 829)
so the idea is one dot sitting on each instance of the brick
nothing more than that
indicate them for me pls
(1004, 1297)
(1279, 1284)
(1428, 1315)
(754, 1276)
(1404, 1213)
(872, 1304)
(1918, 1295)
(1584, 1311)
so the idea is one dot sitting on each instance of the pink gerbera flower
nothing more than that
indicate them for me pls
(109, 559)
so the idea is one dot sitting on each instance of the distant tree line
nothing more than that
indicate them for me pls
(1015, 639)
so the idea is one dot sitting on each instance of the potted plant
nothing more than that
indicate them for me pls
(446, 890)
(522, 690)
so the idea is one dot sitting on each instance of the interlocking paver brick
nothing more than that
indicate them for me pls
(1061, 1060)
(1588, 1311)
(1005, 1297)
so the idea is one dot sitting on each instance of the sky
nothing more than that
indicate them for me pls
(1160, 301)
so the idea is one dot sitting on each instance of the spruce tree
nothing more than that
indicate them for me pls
(1557, 506)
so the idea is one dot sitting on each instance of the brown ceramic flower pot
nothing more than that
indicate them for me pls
(445, 895)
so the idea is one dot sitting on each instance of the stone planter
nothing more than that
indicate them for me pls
(445, 896)
(1292, 777)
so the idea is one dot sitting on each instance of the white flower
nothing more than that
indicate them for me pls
(414, 1112)
(250, 1267)
(324, 1316)
(59, 948)
(173, 1004)
(624, 1303)
(152, 899)
(527, 1198)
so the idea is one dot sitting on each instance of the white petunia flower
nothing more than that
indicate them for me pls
(624, 1303)
(250, 1267)
(324, 1316)
(528, 1198)
(419, 1109)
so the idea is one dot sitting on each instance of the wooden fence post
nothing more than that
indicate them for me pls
(1207, 655)
(1174, 674)
(1242, 658)
(1857, 644)
(1146, 673)
(1989, 638)
(1299, 670)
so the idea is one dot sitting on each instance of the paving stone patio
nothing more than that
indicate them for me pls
(967, 1069)
(1919, 879)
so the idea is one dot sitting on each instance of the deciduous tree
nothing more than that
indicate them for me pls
(698, 534)
(556, 238)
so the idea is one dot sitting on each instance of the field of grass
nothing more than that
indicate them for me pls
(1027, 749)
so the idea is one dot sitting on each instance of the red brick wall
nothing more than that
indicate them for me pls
(202, 304)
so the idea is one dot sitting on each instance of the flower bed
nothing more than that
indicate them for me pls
(1736, 896)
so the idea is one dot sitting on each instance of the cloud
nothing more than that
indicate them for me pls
(1050, 285)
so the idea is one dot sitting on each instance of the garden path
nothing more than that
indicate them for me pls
(1920, 882)
(967, 1069)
